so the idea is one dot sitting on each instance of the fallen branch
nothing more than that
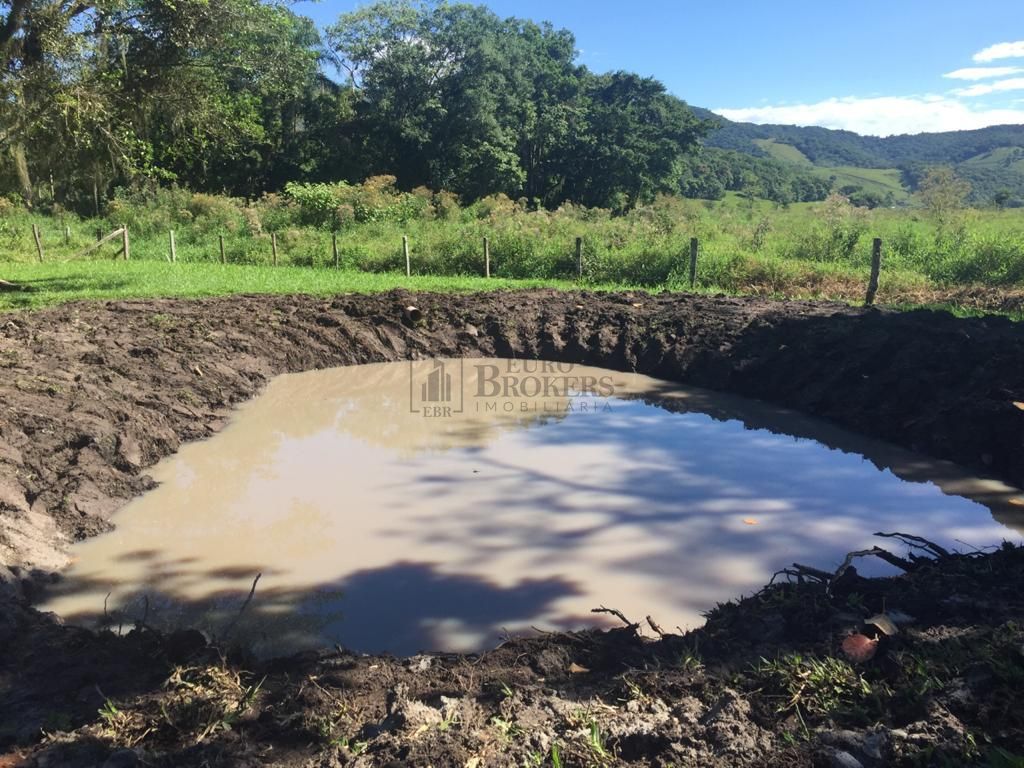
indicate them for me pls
(806, 571)
(245, 605)
(617, 614)
(878, 552)
(6, 286)
(654, 625)
(916, 542)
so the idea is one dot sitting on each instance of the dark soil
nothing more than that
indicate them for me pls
(93, 393)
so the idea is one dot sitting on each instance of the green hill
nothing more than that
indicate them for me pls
(992, 159)
(785, 153)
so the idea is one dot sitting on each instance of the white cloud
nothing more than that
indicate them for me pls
(981, 89)
(881, 116)
(1014, 50)
(982, 73)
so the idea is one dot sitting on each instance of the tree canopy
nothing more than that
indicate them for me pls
(243, 96)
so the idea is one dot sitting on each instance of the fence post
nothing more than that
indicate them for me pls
(223, 257)
(487, 257)
(405, 252)
(694, 245)
(334, 249)
(67, 235)
(174, 251)
(579, 257)
(39, 241)
(125, 244)
(99, 234)
(273, 244)
(876, 267)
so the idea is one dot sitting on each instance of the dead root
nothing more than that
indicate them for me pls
(805, 573)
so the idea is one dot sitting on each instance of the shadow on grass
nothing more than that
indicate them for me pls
(50, 290)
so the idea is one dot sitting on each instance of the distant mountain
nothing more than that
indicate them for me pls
(992, 159)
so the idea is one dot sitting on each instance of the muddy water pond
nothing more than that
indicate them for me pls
(443, 505)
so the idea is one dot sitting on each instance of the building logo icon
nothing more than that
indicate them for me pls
(435, 388)
(438, 386)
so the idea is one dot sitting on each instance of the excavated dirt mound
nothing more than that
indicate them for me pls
(93, 393)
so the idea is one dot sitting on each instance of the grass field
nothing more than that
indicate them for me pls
(806, 250)
(785, 153)
(57, 282)
(879, 181)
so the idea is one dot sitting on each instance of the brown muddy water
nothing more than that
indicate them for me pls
(444, 505)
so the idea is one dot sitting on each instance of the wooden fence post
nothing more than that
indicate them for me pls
(405, 252)
(125, 244)
(273, 244)
(174, 251)
(487, 257)
(67, 235)
(223, 257)
(579, 257)
(876, 267)
(694, 245)
(39, 241)
(99, 234)
(334, 249)
(116, 233)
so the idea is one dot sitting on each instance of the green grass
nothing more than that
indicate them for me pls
(878, 180)
(1011, 158)
(785, 153)
(58, 282)
(805, 250)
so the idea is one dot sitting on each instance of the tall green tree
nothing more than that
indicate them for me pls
(451, 96)
(210, 94)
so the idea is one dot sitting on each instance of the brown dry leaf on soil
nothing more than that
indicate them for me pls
(749, 521)
(576, 669)
(858, 647)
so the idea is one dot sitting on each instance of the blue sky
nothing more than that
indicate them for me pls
(872, 67)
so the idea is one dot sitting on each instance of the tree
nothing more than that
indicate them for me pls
(451, 96)
(943, 194)
(117, 91)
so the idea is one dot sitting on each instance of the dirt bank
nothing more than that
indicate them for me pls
(92, 394)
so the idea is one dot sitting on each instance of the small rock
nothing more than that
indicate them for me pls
(422, 664)
(841, 759)
(874, 744)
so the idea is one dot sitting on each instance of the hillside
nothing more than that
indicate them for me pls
(992, 159)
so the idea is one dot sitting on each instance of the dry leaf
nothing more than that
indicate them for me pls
(749, 521)
(1019, 405)
(576, 669)
(884, 623)
(859, 647)
(637, 305)
(1017, 502)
